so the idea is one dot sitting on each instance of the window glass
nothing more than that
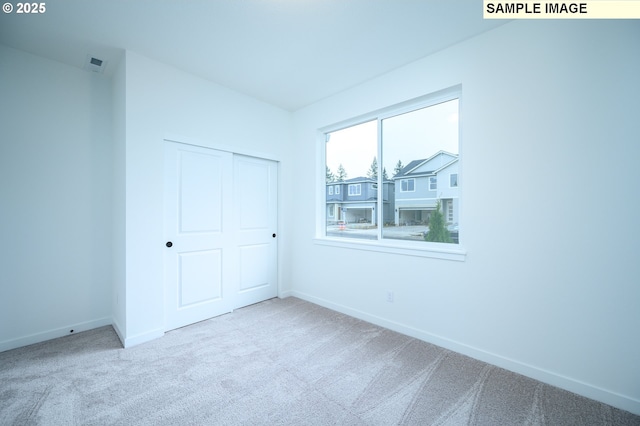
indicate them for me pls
(421, 144)
(397, 197)
(350, 154)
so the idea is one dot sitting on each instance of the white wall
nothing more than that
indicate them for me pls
(164, 102)
(549, 287)
(55, 197)
(81, 162)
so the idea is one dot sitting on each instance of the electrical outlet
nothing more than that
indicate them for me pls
(389, 296)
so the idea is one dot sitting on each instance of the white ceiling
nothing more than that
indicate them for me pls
(289, 53)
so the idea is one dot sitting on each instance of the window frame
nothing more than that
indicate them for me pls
(451, 175)
(354, 186)
(433, 183)
(445, 251)
(407, 180)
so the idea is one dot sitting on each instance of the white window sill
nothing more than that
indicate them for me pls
(448, 252)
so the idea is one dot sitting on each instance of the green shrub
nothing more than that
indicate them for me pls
(438, 231)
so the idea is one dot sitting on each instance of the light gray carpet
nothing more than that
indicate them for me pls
(280, 362)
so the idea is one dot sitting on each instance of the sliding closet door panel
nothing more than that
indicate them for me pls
(256, 203)
(198, 251)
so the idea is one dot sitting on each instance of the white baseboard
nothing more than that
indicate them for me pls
(53, 334)
(138, 339)
(128, 342)
(593, 392)
(285, 294)
(116, 328)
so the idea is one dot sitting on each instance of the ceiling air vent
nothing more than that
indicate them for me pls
(94, 64)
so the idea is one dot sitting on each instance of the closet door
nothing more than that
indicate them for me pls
(255, 185)
(220, 230)
(199, 266)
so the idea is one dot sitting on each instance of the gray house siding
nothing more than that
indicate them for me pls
(415, 206)
(334, 192)
(362, 190)
(421, 189)
(445, 190)
(359, 207)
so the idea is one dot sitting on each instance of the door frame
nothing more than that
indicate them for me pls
(220, 147)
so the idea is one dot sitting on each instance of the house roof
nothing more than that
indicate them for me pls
(410, 169)
(358, 180)
(352, 180)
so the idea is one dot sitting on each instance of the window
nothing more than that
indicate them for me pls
(330, 190)
(407, 185)
(337, 189)
(402, 149)
(433, 183)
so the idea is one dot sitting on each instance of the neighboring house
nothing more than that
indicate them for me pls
(408, 199)
(420, 185)
(354, 201)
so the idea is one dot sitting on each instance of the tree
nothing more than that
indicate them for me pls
(398, 168)
(438, 231)
(341, 174)
(384, 174)
(330, 175)
(373, 169)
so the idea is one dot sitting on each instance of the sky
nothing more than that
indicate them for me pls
(412, 136)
